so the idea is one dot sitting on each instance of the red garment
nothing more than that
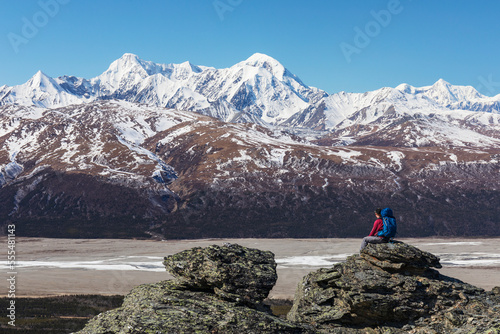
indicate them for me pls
(378, 226)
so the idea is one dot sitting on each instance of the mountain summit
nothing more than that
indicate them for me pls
(261, 60)
(257, 90)
(187, 151)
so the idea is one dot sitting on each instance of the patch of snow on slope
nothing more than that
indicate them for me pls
(396, 157)
(277, 157)
(346, 155)
(243, 156)
(165, 123)
(130, 134)
(163, 174)
(457, 136)
(176, 133)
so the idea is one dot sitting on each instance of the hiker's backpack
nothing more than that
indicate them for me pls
(390, 226)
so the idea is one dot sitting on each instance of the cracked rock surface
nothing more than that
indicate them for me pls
(217, 289)
(232, 272)
(392, 288)
(388, 288)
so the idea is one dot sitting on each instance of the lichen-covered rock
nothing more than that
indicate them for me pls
(232, 272)
(398, 255)
(391, 288)
(167, 307)
(216, 290)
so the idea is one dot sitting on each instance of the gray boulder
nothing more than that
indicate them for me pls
(400, 256)
(216, 290)
(392, 288)
(232, 272)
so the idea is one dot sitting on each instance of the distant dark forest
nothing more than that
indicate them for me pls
(60, 314)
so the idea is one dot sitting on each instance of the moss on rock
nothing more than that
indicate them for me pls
(216, 290)
(391, 288)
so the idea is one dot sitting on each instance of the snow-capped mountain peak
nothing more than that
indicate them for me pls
(129, 57)
(127, 63)
(265, 61)
(405, 88)
(41, 80)
(445, 92)
(189, 66)
(42, 91)
(262, 61)
(127, 68)
(441, 83)
(183, 71)
(442, 91)
(259, 90)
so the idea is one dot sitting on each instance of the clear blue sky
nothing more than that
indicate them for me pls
(419, 41)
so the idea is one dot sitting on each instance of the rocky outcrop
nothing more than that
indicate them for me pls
(233, 272)
(392, 288)
(388, 288)
(218, 289)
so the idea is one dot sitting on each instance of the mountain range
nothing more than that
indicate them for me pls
(186, 151)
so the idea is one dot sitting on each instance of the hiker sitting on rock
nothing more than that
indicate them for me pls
(384, 228)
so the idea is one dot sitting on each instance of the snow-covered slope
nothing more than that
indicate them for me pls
(261, 90)
(258, 90)
(346, 109)
(437, 115)
(41, 90)
(133, 152)
(122, 169)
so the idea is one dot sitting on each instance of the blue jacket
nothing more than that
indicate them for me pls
(390, 226)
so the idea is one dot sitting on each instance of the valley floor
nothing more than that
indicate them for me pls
(48, 267)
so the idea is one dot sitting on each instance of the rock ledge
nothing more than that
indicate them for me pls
(388, 288)
(392, 288)
(217, 289)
